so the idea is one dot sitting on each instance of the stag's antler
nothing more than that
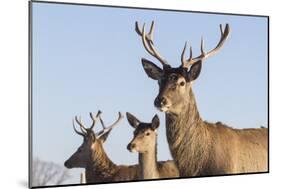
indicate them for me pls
(147, 40)
(79, 133)
(82, 127)
(204, 55)
(94, 119)
(106, 129)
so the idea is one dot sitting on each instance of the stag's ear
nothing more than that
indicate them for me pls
(104, 136)
(155, 122)
(152, 70)
(194, 71)
(134, 122)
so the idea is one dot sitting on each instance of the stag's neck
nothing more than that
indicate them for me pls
(101, 168)
(187, 136)
(148, 164)
(188, 117)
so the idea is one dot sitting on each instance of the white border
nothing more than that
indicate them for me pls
(14, 91)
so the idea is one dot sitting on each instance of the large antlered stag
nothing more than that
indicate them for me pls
(198, 147)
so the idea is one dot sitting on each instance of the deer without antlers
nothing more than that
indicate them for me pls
(145, 143)
(199, 147)
(91, 155)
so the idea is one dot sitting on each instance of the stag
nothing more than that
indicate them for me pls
(91, 155)
(198, 147)
(145, 143)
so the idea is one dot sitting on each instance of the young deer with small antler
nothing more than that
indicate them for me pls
(91, 155)
(198, 147)
(145, 143)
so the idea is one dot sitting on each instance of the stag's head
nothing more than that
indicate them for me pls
(174, 83)
(91, 141)
(145, 134)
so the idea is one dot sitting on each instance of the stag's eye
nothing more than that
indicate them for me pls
(147, 134)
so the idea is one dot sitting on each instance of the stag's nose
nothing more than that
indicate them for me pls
(66, 164)
(131, 146)
(160, 102)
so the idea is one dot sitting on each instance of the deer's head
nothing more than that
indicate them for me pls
(91, 141)
(174, 83)
(145, 134)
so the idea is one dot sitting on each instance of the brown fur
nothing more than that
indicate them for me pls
(102, 169)
(156, 169)
(201, 148)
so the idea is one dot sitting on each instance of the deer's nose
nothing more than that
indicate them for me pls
(66, 164)
(131, 146)
(160, 101)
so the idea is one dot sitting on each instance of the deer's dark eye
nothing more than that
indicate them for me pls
(182, 83)
(147, 134)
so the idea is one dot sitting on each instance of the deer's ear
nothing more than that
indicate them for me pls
(194, 71)
(134, 122)
(152, 70)
(155, 122)
(104, 136)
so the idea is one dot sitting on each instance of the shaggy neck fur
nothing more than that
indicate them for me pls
(188, 138)
(148, 164)
(101, 168)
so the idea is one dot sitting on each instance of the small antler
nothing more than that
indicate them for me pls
(147, 40)
(79, 133)
(204, 55)
(102, 123)
(94, 119)
(82, 128)
(106, 129)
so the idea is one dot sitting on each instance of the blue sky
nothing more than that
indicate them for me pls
(87, 58)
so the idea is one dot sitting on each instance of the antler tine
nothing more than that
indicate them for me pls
(102, 123)
(147, 40)
(150, 34)
(203, 55)
(224, 35)
(202, 46)
(120, 117)
(146, 44)
(186, 63)
(183, 60)
(137, 29)
(221, 29)
(83, 129)
(94, 119)
(79, 133)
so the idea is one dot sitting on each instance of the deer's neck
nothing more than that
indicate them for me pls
(101, 168)
(187, 138)
(148, 164)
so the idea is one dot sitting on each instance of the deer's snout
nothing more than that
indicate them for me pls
(160, 102)
(131, 146)
(67, 164)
